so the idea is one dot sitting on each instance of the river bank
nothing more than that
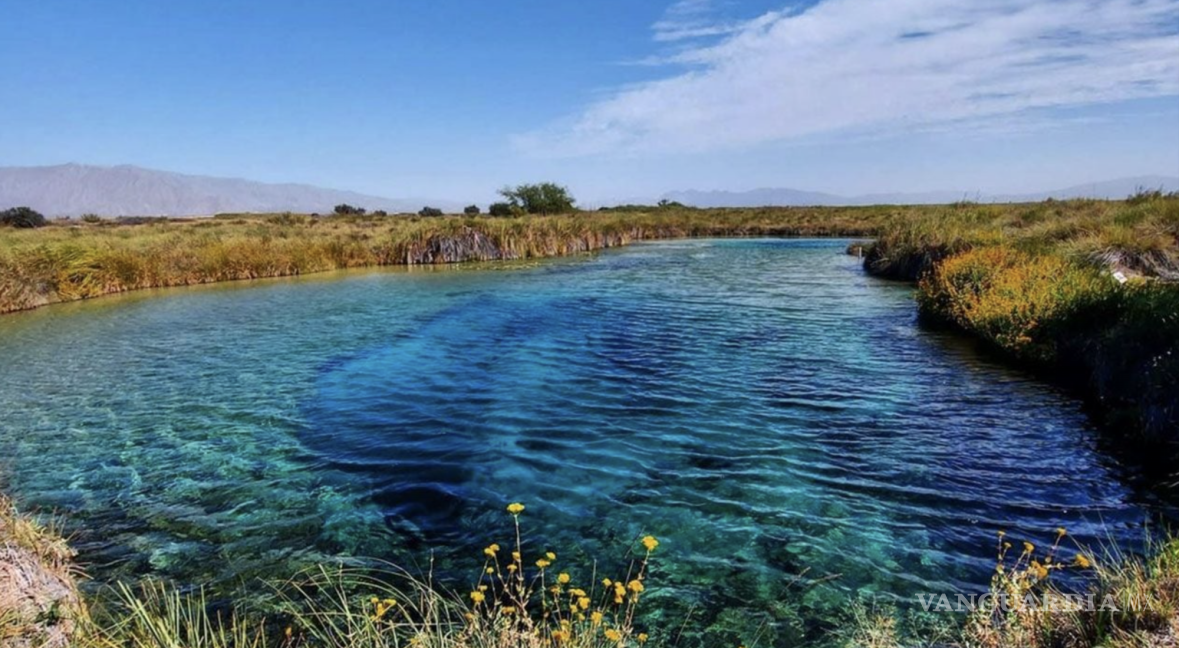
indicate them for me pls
(1083, 294)
(1137, 605)
(68, 261)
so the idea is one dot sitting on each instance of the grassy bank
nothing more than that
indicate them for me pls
(1130, 602)
(75, 260)
(1037, 284)
(535, 601)
(40, 605)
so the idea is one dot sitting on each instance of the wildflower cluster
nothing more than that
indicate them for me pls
(537, 602)
(1022, 602)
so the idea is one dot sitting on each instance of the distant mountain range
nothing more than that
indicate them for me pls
(1110, 189)
(75, 189)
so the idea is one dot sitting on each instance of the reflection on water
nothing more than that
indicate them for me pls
(762, 407)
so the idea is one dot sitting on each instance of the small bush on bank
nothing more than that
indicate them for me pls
(471, 210)
(501, 209)
(1015, 301)
(22, 217)
(427, 212)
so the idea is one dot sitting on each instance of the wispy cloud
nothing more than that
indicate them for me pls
(690, 19)
(867, 65)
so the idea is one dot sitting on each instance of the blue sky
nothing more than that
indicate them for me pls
(618, 99)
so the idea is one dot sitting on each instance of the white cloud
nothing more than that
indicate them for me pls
(878, 66)
(689, 19)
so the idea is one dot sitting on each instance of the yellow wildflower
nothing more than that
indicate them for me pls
(491, 551)
(491, 570)
(584, 602)
(1083, 561)
(607, 582)
(642, 637)
(650, 543)
(613, 635)
(563, 578)
(560, 636)
(516, 556)
(542, 563)
(512, 568)
(1061, 531)
(596, 617)
(1028, 547)
(576, 592)
(550, 555)
(477, 597)
(635, 586)
(515, 508)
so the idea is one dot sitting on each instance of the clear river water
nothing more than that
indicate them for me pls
(773, 415)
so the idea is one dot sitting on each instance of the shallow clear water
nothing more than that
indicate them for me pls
(762, 406)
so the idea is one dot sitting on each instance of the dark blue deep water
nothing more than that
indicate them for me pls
(772, 414)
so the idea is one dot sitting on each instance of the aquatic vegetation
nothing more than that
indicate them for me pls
(1131, 602)
(508, 604)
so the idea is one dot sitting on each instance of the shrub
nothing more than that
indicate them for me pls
(91, 218)
(23, 217)
(543, 198)
(380, 212)
(1013, 300)
(471, 210)
(430, 211)
(348, 210)
(501, 209)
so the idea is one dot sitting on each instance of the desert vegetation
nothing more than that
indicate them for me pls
(22, 217)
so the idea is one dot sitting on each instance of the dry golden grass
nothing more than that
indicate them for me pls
(79, 260)
(40, 605)
(1135, 604)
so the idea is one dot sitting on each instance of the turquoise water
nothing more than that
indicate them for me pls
(772, 414)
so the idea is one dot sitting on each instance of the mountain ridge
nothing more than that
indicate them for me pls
(127, 190)
(788, 197)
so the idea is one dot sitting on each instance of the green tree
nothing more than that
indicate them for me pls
(471, 210)
(348, 210)
(22, 217)
(430, 211)
(543, 198)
